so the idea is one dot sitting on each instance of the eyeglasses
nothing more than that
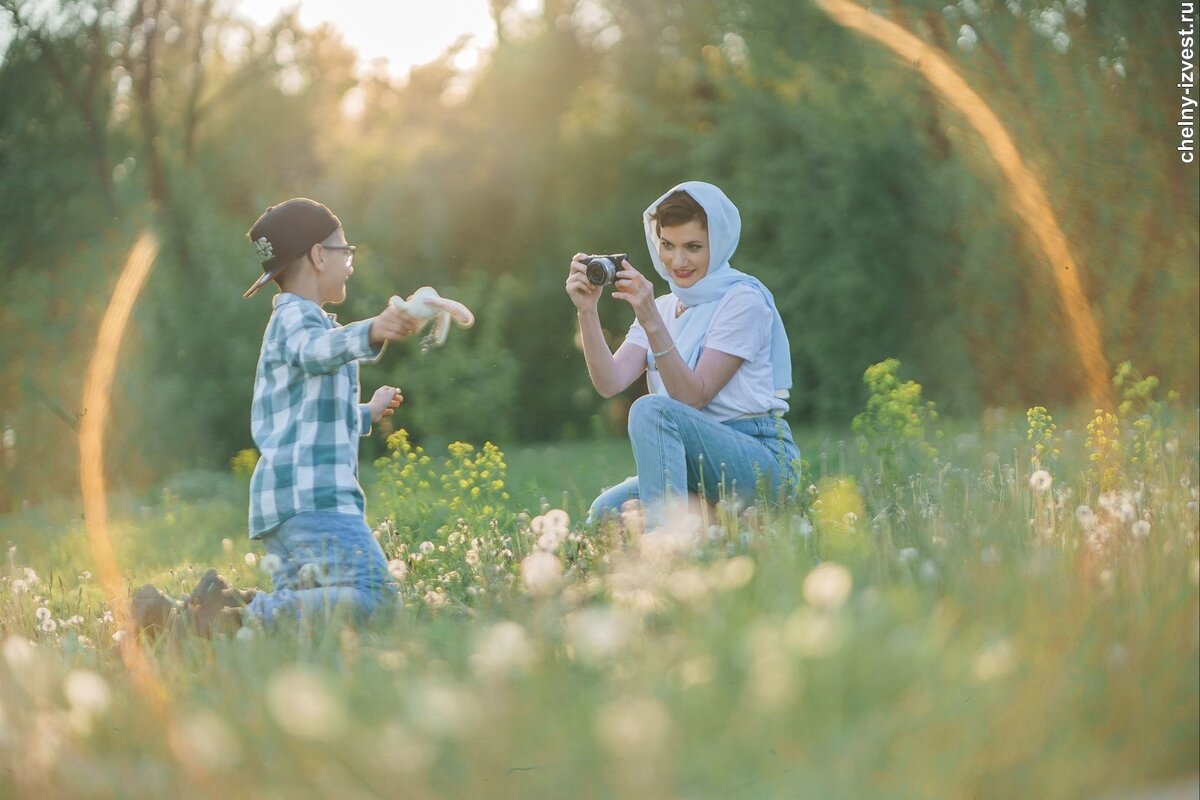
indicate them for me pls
(349, 248)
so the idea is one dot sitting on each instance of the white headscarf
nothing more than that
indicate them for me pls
(701, 298)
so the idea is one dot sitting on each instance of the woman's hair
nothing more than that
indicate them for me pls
(679, 208)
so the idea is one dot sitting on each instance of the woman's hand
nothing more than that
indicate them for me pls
(635, 289)
(384, 402)
(583, 293)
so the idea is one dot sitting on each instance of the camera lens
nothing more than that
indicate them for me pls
(601, 271)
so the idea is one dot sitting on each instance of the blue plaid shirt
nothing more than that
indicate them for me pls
(306, 418)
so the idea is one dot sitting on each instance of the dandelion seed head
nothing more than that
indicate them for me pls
(271, 563)
(19, 653)
(250, 559)
(204, 736)
(907, 555)
(303, 706)
(689, 586)
(1040, 481)
(828, 586)
(637, 729)
(427, 548)
(445, 709)
(541, 573)
(87, 692)
(503, 649)
(811, 633)
(48, 626)
(994, 661)
(1141, 529)
(42, 614)
(598, 633)
(398, 568)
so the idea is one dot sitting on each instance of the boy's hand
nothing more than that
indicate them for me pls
(392, 325)
(384, 402)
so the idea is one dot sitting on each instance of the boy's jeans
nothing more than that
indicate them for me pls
(330, 562)
(679, 450)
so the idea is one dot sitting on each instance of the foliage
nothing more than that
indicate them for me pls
(1043, 441)
(876, 240)
(617, 661)
(1104, 444)
(895, 420)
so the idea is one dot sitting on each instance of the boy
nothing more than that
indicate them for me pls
(306, 505)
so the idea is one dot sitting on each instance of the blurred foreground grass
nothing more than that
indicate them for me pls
(911, 627)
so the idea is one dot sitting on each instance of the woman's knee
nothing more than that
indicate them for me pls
(647, 413)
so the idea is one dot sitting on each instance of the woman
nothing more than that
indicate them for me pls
(718, 361)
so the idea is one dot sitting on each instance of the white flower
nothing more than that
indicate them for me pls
(87, 692)
(635, 728)
(732, 574)
(1141, 529)
(505, 648)
(541, 572)
(303, 706)
(263, 248)
(551, 538)
(18, 653)
(828, 586)
(995, 661)
(398, 568)
(270, 563)
(1040, 481)
(427, 548)
(812, 634)
(205, 737)
(597, 633)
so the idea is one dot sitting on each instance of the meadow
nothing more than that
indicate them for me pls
(997, 608)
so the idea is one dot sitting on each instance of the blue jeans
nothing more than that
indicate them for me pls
(329, 563)
(679, 450)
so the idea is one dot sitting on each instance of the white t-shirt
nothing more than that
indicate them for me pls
(741, 326)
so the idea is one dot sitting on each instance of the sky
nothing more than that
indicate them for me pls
(405, 32)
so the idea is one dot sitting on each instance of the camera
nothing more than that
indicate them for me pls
(602, 270)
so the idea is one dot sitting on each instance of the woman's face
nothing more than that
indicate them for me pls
(684, 251)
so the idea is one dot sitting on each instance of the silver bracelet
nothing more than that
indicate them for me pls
(664, 352)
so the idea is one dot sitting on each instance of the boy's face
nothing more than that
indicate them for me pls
(337, 265)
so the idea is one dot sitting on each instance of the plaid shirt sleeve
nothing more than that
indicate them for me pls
(318, 349)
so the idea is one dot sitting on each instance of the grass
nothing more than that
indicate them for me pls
(910, 628)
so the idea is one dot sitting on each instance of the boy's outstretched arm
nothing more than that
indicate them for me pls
(320, 350)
